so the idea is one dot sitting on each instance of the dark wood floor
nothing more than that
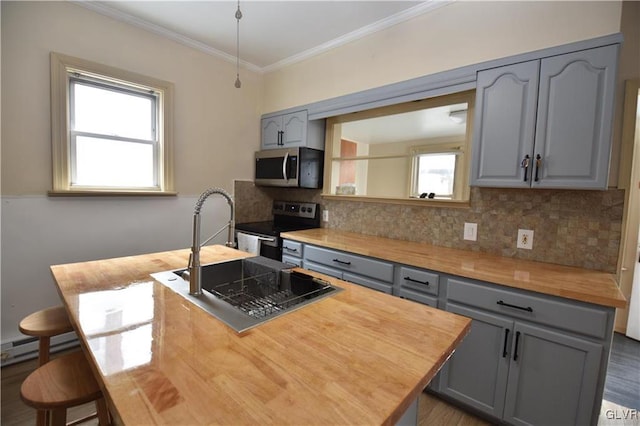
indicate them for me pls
(623, 375)
(622, 384)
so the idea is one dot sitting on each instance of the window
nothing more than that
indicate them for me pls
(402, 153)
(436, 171)
(111, 130)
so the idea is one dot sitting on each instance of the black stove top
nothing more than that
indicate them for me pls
(269, 227)
(287, 216)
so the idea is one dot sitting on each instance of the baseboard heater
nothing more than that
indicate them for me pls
(27, 348)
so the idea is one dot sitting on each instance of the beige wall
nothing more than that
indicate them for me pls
(216, 131)
(458, 34)
(216, 126)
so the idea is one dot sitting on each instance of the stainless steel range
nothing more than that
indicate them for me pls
(287, 216)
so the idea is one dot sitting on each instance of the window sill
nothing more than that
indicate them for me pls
(425, 202)
(110, 193)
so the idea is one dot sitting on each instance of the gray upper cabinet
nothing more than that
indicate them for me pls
(292, 130)
(546, 123)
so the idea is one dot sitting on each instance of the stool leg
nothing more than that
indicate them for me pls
(59, 417)
(43, 350)
(41, 418)
(103, 412)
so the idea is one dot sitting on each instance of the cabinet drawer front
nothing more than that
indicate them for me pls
(367, 282)
(556, 313)
(322, 269)
(419, 280)
(377, 269)
(291, 260)
(418, 297)
(291, 248)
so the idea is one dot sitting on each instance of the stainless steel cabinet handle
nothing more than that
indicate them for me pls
(538, 166)
(525, 165)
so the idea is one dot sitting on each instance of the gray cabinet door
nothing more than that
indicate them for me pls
(575, 111)
(504, 125)
(271, 128)
(294, 128)
(552, 378)
(476, 373)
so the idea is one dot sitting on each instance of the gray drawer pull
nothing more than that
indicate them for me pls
(416, 281)
(342, 262)
(289, 249)
(528, 308)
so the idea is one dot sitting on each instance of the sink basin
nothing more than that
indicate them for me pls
(244, 293)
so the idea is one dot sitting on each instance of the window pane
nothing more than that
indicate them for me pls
(108, 112)
(104, 162)
(436, 173)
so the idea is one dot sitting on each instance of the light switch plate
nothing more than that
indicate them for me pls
(525, 239)
(470, 231)
(325, 215)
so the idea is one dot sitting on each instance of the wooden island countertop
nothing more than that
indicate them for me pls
(357, 357)
(573, 283)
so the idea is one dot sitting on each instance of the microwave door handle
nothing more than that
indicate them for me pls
(284, 166)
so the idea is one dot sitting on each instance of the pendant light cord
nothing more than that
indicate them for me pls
(238, 84)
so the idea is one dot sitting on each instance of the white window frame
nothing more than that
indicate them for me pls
(64, 69)
(456, 148)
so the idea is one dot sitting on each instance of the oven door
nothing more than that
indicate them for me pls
(269, 245)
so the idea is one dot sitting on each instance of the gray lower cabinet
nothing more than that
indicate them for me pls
(292, 253)
(529, 359)
(546, 123)
(365, 271)
(417, 284)
(518, 364)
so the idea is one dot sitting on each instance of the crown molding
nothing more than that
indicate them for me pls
(161, 31)
(405, 15)
(427, 6)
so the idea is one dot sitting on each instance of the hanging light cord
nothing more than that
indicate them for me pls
(238, 17)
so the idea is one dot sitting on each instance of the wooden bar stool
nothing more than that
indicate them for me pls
(44, 325)
(65, 382)
(62, 384)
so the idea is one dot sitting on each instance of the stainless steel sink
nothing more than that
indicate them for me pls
(244, 293)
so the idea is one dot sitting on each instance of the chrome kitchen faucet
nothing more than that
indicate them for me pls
(194, 272)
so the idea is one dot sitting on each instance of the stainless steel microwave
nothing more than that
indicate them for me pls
(292, 167)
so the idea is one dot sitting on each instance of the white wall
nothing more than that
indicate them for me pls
(216, 131)
(459, 34)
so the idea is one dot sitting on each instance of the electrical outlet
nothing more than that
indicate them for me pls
(470, 231)
(325, 215)
(525, 239)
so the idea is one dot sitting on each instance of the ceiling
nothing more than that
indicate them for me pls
(420, 125)
(272, 33)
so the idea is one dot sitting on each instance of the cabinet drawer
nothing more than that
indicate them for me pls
(418, 297)
(291, 248)
(368, 282)
(418, 280)
(322, 269)
(291, 260)
(360, 265)
(554, 312)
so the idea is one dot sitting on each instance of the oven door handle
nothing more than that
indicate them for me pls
(284, 167)
(271, 240)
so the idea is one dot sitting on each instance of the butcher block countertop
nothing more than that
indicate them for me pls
(357, 357)
(569, 282)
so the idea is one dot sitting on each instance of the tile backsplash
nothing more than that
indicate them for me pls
(575, 228)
